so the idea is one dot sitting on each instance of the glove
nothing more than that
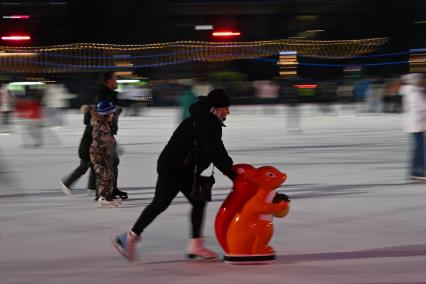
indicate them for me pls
(232, 175)
(280, 197)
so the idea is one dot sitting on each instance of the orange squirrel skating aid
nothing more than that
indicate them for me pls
(244, 222)
(243, 190)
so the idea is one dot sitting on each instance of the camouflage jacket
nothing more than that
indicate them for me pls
(103, 144)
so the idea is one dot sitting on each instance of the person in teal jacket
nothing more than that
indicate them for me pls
(186, 99)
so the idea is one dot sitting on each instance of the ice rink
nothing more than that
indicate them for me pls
(354, 216)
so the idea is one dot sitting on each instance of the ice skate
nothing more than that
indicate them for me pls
(126, 244)
(121, 194)
(65, 188)
(196, 249)
(105, 203)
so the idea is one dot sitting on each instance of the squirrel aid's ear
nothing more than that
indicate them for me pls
(251, 174)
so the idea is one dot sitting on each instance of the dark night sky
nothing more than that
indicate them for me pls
(139, 22)
(112, 21)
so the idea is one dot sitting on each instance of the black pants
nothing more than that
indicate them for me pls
(167, 187)
(116, 162)
(79, 172)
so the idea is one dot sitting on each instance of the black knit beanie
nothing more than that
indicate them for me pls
(218, 98)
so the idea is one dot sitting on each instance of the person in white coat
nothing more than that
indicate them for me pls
(6, 107)
(414, 97)
(56, 101)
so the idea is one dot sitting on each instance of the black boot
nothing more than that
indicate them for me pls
(119, 193)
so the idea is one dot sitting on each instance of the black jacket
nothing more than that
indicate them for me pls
(86, 140)
(103, 93)
(208, 131)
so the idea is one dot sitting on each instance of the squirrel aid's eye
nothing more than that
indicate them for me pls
(271, 175)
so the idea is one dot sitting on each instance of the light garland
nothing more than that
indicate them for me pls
(88, 57)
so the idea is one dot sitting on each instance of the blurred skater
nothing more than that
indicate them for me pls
(107, 92)
(413, 92)
(83, 152)
(102, 153)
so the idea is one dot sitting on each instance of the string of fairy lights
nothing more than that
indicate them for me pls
(80, 57)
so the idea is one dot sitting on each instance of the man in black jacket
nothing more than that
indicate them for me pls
(176, 169)
(107, 92)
